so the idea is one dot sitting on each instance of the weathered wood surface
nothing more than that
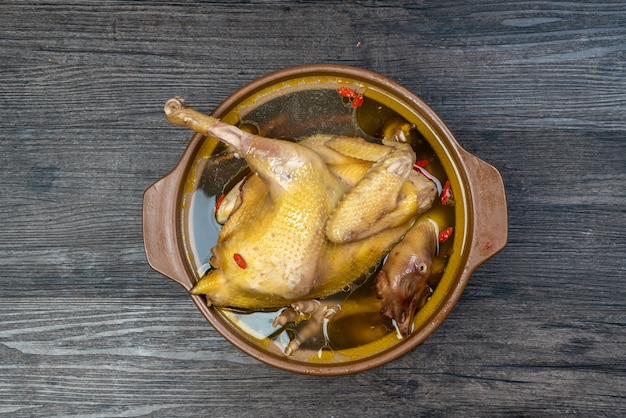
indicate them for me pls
(538, 89)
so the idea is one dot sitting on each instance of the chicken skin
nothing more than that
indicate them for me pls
(312, 216)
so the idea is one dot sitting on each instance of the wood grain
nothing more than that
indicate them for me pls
(88, 329)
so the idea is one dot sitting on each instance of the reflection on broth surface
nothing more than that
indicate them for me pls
(293, 116)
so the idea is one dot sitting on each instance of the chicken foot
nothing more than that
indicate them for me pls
(316, 313)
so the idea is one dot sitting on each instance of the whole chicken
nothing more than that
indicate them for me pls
(312, 216)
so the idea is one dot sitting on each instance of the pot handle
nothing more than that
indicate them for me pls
(160, 229)
(489, 209)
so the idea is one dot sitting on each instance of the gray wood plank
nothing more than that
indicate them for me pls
(88, 329)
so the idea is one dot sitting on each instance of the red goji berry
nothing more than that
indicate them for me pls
(218, 202)
(445, 234)
(357, 101)
(420, 163)
(240, 261)
(347, 92)
(446, 194)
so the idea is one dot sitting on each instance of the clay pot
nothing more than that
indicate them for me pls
(297, 102)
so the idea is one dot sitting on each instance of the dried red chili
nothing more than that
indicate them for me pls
(240, 261)
(445, 234)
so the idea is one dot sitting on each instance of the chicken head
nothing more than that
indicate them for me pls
(402, 282)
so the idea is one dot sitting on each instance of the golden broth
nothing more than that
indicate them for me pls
(294, 110)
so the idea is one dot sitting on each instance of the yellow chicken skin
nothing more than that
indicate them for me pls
(311, 218)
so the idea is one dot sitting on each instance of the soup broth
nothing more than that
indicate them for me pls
(293, 115)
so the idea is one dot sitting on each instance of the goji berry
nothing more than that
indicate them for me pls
(240, 261)
(357, 101)
(347, 92)
(420, 163)
(446, 194)
(445, 234)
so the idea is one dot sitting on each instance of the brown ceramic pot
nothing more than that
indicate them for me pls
(293, 102)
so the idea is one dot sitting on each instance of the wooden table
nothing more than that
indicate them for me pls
(88, 329)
